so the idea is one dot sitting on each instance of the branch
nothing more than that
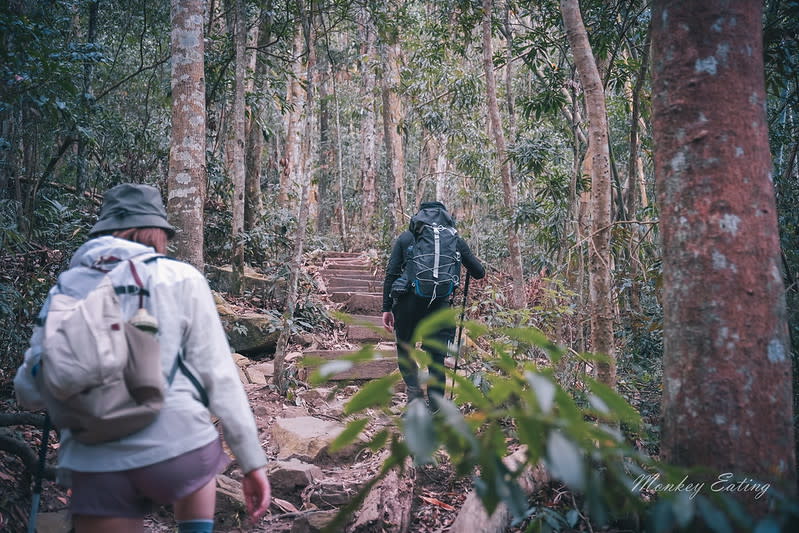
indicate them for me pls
(11, 444)
(21, 419)
(130, 76)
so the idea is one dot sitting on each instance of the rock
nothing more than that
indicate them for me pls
(303, 339)
(270, 286)
(260, 373)
(328, 493)
(251, 333)
(313, 522)
(286, 477)
(308, 439)
(230, 489)
(57, 522)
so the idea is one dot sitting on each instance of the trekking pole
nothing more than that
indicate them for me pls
(460, 332)
(37, 487)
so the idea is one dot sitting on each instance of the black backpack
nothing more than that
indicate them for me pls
(434, 264)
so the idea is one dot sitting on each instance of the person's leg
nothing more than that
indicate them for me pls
(404, 324)
(195, 512)
(188, 482)
(106, 501)
(437, 349)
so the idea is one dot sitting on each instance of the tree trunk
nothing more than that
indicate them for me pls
(327, 162)
(368, 163)
(392, 118)
(600, 260)
(238, 135)
(253, 204)
(516, 265)
(186, 179)
(387, 507)
(289, 175)
(472, 517)
(727, 368)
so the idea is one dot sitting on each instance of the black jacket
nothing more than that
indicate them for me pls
(399, 256)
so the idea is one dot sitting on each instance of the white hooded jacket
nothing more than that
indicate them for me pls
(182, 302)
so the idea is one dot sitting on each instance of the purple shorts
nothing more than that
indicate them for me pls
(131, 493)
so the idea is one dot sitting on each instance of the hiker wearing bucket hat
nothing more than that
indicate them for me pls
(132, 205)
(174, 459)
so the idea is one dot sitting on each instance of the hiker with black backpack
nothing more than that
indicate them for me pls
(130, 359)
(422, 274)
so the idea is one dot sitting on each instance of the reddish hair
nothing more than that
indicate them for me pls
(155, 237)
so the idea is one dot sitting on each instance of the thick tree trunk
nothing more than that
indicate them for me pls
(236, 144)
(727, 368)
(600, 261)
(516, 266)
(392, 117)
(186, 179)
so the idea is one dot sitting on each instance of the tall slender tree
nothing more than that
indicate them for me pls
(186, 179)
(727, 368)
(600, 260)
(510, 196)
(236, 142)
(392, 118)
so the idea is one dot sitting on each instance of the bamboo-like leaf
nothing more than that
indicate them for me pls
(376, 392)
(350, 433)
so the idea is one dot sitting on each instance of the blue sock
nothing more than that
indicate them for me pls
(195, 526)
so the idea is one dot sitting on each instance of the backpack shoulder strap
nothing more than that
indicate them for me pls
(181, 365)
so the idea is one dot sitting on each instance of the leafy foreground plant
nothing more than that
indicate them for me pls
(577, 436)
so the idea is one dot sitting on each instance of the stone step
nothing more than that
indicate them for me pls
(363, 303)
(364, 334)
(332, 254)
(375, 320)
(351, 274)
(352, 285)
(363, 370)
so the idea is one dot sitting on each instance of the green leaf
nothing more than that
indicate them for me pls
(713, 517)
(330, 369)
(419, 432)
(767, 525)
(572, 517)
(445, 318)
(618, 406)
(349, 434)
(543, 388)
(683, 507)
(376, 392)
(565, 461)
(378, 441)
(467, 392)
(535, 337)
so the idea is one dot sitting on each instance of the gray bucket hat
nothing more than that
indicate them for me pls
(132, 205)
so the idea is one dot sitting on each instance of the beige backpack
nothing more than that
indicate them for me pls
(101, 376)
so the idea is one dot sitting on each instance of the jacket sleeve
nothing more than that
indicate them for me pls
(468, 259)
(25, 388)
(208, 352)
(396, 263)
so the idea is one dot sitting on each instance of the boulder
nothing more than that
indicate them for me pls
(271, 287)
(251, 333)
(308, 439)
(287, 477)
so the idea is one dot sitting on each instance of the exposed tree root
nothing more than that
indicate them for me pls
(472, 518)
